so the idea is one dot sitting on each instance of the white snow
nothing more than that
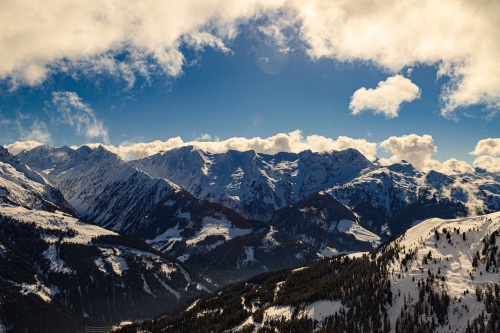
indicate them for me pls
(55, 221)
(269, 239)
(172, 291)
(299, 269)
(278, 312)
(357, 231)
(192, 305)
(38, 289)
(212, 226)
(113, 257)
(183, 257)
(186, 275)
(328, 251)
(321, 309)
(249, 257)
(145, 286)
(56, 264)
(100, 265)
(167, 269)
(449, 258)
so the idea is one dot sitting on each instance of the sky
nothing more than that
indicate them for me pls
(413, 80)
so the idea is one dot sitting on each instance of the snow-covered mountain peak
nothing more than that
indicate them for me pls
(255, 184)
(23, 186)
(404, 168)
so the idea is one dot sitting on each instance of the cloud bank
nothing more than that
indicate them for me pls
(282, 142)
(128, 38)
(386, 98)
(18, 146)
(412, 148)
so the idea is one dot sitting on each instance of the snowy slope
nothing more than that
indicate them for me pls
(387, 198)
(209, 236)
(100, 185)
(391, 199)
(20, 185)
(321, 221)
(440, 276)
(92, 271)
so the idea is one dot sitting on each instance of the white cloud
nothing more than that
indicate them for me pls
(488, 146)
(386, 98)
(73, 111)
(488, 163)
(37, 132)
(460, 36)
(128, 38)
(418, 151)
(118, 37)
(282, 142)
(204, 137)
(454, 166)
(412, 148)
(474, 204)
(18, 146)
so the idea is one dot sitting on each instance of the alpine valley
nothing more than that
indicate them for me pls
(242, 242)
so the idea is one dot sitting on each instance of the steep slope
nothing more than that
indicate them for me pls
(110, 191)
(23, 295)
(439, 276)
(100, 185)
(209, 236)
(254, 184)
(391, 199)
(20, 185)
(480, 192)
(92, 271)
(321, 221)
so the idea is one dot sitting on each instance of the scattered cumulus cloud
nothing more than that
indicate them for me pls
(488, 163)
(488, 146)
(129, 38)
(204, 137)
(418, 151)
(387, 98)
(460, 37)
(71, 110)
(412, 148)
(454, 166)
(491, 149)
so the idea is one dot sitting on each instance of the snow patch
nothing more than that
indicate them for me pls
(113, 257)
(357, 231)
(215, 227)
(55, 221)
(321, 309)
(278, 312)
(145, 286)
(183, 258)
(56, 264)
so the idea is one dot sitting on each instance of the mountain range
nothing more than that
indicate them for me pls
(93, 237)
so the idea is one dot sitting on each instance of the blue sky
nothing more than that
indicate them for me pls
(254, 72)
